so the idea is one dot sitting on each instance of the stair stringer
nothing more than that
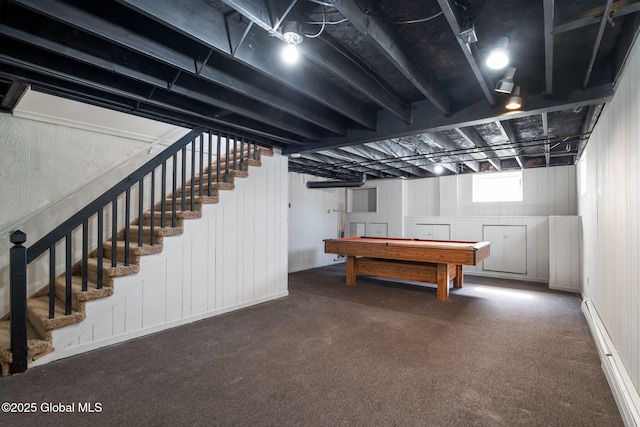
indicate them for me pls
(233, 257)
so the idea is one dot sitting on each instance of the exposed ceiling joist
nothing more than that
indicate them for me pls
(257, 56)
(596, 45)
(549, 13)
(380, 89)
(389, 43)
(323, 54)
(426, 120)
(467, 50)
(474, 138)
(505, 129)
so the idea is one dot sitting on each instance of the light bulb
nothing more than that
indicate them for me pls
(499, 56)
(515, 100)
(290, 53)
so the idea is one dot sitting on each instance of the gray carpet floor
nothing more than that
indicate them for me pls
(382, 353)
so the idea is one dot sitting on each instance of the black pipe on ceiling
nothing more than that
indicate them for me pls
(336, 184)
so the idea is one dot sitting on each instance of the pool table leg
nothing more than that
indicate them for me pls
(442, 276)
(351, 270)
(457, 282)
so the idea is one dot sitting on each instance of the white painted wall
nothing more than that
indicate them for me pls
(546, 191)
(314, 215)
(471, 228)
(402, 204)
(609, 198)
(234, 256)
(390, 209)
(49, 171)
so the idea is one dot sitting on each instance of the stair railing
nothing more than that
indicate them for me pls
(89, 224)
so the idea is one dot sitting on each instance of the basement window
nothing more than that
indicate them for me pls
(497, 187)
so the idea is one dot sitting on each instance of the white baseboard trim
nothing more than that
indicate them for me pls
(624, 392)
(94, 345)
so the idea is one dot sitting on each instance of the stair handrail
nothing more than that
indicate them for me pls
(51, 238)
(21, 256)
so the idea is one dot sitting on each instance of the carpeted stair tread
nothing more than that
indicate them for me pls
(180, 216)
(36, 345)
(40, 326)
(77, 294)
(196, 190)
(198, 201)
(216, 186)
(146, 232)
(38, 314)
(134, 249)
(108, 271)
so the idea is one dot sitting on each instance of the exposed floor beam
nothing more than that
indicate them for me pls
(397, 154)
(472, 136)
(448, 145)
(258, 57)
(594, 16)
(186, 86)
(596, 45)
(323, 54)
(174, 58)
(467, 50)
(391, 45)
(505, 129)
(545, 134)
(549, 13)
(429, 120)
(367, 156)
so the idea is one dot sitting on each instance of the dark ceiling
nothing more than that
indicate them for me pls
(386, 88)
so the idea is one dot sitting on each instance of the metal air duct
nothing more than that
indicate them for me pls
(336, 184)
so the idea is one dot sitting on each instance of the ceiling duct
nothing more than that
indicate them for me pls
(336, 184)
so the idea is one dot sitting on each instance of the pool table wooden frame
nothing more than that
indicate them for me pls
(431, 261)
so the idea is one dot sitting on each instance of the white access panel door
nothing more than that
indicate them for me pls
(378, 229)
(357, 229)
(433, 231)
(508, 248)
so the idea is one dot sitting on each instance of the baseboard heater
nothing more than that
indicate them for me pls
(624, 391)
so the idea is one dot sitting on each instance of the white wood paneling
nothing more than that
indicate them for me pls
(433, 231)
(609, 185)
(209, 259)
(390, 207)
(448, 192)
(422, 197)
(357, 229)
(564, 253)
(314, 215)
(471, 228)
(546, 191)
(378, 229)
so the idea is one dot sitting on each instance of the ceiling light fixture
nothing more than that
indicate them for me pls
(292, 35)
(438, 169)
(499, 56)
(506, 84)
(515, 101)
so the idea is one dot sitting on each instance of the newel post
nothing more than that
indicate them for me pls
(18, 272)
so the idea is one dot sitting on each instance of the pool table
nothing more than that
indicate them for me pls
(431, 261)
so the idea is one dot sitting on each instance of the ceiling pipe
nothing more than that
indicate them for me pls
(336, 184)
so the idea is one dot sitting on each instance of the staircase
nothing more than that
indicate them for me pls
(150, 230)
